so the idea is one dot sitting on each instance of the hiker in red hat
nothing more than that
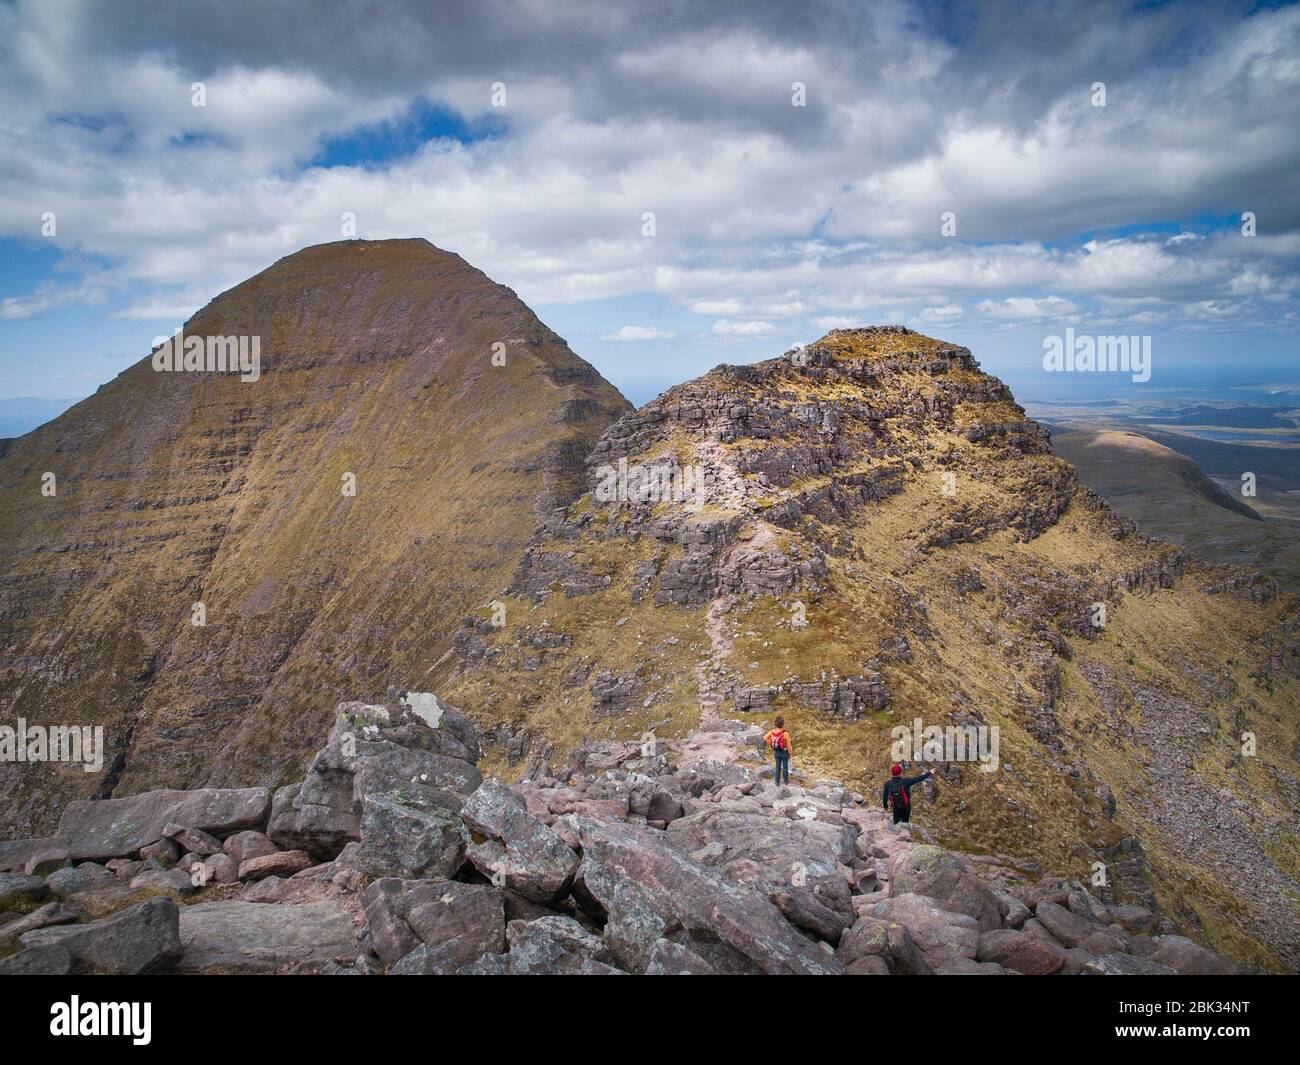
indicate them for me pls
(897, 792)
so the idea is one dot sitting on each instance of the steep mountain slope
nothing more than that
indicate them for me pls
(883, 536)
(179, 488)
(1169, 496)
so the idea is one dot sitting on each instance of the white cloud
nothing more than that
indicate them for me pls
(639, 332)
(728, 328)
(765, 213)
(1025, 308)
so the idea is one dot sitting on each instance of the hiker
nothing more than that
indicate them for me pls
(779, 740)
(896, 792)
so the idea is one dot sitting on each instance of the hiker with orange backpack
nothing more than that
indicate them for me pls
(779, 740)
(897, 792)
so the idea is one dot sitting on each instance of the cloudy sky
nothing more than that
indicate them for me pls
(772, 222)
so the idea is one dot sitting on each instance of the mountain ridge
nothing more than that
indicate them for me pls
(884, 531)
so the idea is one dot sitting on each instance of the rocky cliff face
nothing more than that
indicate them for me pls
(411, 422)
(868, 533)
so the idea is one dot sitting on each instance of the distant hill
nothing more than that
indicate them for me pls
(1170, 497)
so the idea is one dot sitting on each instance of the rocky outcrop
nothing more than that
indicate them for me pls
(672, 860)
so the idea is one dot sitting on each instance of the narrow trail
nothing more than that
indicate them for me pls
(709, 670)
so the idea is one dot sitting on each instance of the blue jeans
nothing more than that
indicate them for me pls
(782, 765)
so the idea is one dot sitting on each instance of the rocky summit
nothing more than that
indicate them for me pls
(201, 564)
(868, 535)
(393, 855)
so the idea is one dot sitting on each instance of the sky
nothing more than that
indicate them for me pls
(992, 174)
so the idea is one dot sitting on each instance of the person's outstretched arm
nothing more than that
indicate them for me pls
(917, 780)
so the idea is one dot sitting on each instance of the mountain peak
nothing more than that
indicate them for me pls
(221, 552)
(865, 533)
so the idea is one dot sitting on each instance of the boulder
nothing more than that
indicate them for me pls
(1021, 951)
(164, 852)
(117, 828)
(376, 750)
(216, 869)
(1014, 912)
(456, 922)
(74, 879)
(647, 891)
(553, 945)
(140, 939)
(940, 935)
(1135, 918)
(46, 860)
(795, 855)
(1126, 965)
(409, 841)
(670, 959)
(281, 863)
(251, 937)
(319, 827)
(514, 849)
(937, 874)
(37, 961)
(51, 913)
(664, 807)
(1069, 928)
(177, 880)
(876, 947)
(1084, 905)
(805, 910)
(18, 890)
(193, 840)
(249, 844)
(1188, 958)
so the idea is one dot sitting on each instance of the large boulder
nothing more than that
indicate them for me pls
(508, 845)
(1188, 958)
(939, 934)
(37, 961)
(1021, 951)
(96, 830)
(1067, 927)
(456, 922)
(875, 947)
(798, 857)
(647, 891)
(553, 945)
(938, 874)
(140, 939)
(402, 837)
(375, 750)
(252, 937)
(72, 880)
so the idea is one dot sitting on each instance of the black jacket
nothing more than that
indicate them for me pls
(907, 783)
